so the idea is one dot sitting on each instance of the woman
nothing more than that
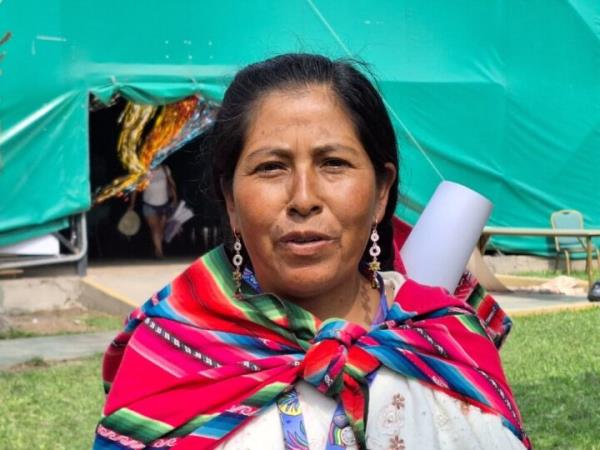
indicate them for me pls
(157, 200)
(294, 338)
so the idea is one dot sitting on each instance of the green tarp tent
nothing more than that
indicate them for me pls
(502, 95)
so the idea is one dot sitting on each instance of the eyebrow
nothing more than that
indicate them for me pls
(285, 153)
(327, 148)
(271, 151)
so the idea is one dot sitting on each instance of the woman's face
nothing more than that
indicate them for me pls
(304, 195)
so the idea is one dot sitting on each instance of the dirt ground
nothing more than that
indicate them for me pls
(64, 321)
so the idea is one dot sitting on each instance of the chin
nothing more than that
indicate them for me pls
(307, 282)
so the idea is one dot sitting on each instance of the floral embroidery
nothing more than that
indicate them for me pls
(398, 401)
(391, 418)
(397, 443)
(389, 425)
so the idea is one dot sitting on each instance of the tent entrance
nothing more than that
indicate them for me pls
(189, 170)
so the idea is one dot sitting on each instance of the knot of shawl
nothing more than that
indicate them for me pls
(325, 361)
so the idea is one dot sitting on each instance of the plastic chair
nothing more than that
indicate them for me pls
(565, 245)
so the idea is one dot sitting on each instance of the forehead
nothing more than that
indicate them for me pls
(313, 109)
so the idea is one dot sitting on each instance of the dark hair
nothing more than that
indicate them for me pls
(356, 93)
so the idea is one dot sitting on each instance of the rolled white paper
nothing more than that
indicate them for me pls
(438, 248)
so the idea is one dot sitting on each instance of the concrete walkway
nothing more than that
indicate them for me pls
(53, 348)
(130, 283)
(524, 303)
(133, 282)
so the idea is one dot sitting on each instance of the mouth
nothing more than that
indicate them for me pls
(305, 243)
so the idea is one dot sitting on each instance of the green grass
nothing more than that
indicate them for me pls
(104, 322)
(553, 364)
(93, 322)
(551, 360)
(50, 407)
(579, 274)
(14, 333)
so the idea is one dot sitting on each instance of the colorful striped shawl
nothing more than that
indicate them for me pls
(194, 364)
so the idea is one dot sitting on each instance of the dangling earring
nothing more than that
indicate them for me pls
(374, 251)
(238, 259)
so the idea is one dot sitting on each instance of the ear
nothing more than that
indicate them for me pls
(231, 209)
(383, 190)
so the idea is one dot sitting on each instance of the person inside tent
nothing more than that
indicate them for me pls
(158, 199)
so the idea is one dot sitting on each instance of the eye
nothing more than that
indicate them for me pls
(335, 163)
(269, 168)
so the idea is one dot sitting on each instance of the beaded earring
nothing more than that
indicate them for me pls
(238, 259)
(374, 251)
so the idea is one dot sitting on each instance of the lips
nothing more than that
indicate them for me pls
(305, 243)
(304, 237)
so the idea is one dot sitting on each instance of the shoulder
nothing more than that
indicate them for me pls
(414, 296)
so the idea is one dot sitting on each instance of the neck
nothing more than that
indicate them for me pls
(355, 301)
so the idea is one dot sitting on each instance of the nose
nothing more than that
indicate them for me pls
(305, 200)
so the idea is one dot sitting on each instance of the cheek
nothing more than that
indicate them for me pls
(356, 202)
(355, 214)
(256, 206)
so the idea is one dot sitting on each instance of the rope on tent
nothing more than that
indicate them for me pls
(388, 106)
